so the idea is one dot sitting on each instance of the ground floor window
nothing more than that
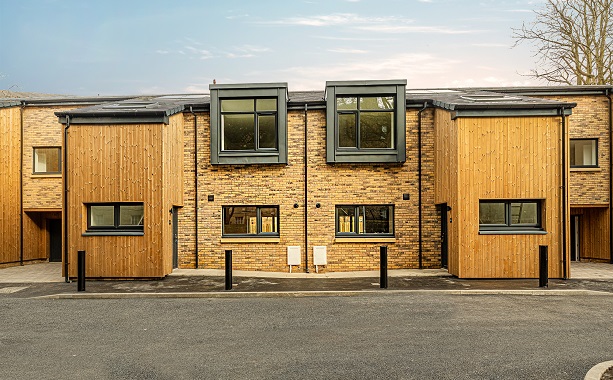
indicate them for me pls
(510, 215)
(115, 217)
(250, 221)
(365, 220)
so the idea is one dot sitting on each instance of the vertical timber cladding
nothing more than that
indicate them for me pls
(10, 203)
(125, 163)
(508, 158)
(328, 185)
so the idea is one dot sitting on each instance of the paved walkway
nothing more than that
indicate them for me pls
(52, 272)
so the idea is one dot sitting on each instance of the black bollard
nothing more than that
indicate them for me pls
(383, 266)
(543, 267)
(228, 269)
(81, 271)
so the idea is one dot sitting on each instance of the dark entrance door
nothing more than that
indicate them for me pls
(574, 238)
(55, 239)
(444, 236)
(175, 237)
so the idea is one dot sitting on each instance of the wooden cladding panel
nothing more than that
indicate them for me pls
(594, 234)
(116, 163)
(10, 198)
(509, 158)
(446, 180)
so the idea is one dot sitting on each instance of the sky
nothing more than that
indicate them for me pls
(134, 47)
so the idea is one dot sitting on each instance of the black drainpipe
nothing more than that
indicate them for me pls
(419, 201)
(306, 194)
(564, 190)
(608, 94)
(195, 179)
(23, 106)
(66, 199)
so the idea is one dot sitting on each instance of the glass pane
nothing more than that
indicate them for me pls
(269, 219)
(524, 213)
(267, 125)
(238, 132)
(583, 153)
(346, 103)
(102, 216)
(347, 130)
(377, 103)
(376, 129)
(346, 219)
(378, 219)
(47, 160)
(240, 220)
(131, 215)
(237, 105)
(266, 104)
(491, 213)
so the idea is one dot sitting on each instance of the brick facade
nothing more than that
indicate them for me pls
(328, 185)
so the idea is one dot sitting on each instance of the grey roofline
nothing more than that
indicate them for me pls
(351, 83)
(9, 103)
(231, 86)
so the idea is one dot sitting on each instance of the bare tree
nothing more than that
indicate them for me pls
(573, 41)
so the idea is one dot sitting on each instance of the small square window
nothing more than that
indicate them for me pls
(583, 153)
(365, 220)
(47, 160)
(250, 221)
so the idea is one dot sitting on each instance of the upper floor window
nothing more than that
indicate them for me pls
(115, 218)
(47, 160)
(249, 123)
(514, 216)
(583, 153)
(365, 220)
(366, 121)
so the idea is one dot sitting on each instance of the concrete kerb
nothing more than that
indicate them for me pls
(355, 274)
(596, 372)
(322, 293)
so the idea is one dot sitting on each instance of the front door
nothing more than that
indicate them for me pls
(175, 237)
(55, 239)
(574, 238)
(444, 238)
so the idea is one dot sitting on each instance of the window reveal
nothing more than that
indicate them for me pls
(250, 220)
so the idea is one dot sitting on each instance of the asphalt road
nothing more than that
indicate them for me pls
(361, 337)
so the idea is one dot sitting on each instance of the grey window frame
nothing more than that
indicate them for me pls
(596, 153)
(509, 226)
(336, 89)
(221, 92)
(356, 222)
(258, 209)
(117, 229)
(58, 148)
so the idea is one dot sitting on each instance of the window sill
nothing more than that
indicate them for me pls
(585, 169)
(43, 175)
(248, 158)
(113, 233)
(513, 232)
(364, 240)
(251, 240)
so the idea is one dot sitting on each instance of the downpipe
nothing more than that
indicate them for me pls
(67, 279)
(608, 95)
(564, 195)
(196, 198)
(419, 186)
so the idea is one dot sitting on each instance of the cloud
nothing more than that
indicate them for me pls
(387, 28)
(348, 51)
(492, 45)
(162, 51)
(333, 19)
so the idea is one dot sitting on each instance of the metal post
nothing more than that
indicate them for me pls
(383, 266)
(543, 266)
(81, 271)
(228, 269)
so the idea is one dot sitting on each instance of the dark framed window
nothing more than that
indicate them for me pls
(249, 123)
(115, 217)
(47, 160)
(510, 215)
(365, 220)
(366, 121)
(250, 221)
(583, 153)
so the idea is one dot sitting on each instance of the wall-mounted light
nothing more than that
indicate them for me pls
(405, 197)
(318, 205)
(295, 205)
(211, 198)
